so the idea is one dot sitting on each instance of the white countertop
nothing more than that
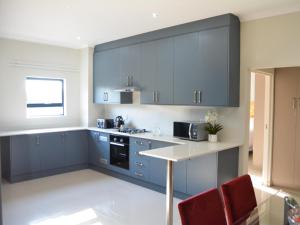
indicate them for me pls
(183, 149)
(39, 131)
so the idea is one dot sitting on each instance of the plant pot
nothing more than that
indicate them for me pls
(213, 138)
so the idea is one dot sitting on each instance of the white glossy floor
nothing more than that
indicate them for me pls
(83, 198)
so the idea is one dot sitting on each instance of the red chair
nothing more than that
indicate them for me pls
(203, 209)
(239, 199)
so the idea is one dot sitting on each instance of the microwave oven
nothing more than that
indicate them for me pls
(194, 131)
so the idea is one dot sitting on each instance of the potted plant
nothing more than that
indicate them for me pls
(212, 127)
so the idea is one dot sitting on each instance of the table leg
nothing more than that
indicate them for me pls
(169, 193)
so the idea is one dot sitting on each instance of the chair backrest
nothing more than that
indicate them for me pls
(203, 209)
(239, 198)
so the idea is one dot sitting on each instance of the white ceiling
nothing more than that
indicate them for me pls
(62, 22)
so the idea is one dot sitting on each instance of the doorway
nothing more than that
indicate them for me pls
(261, 125)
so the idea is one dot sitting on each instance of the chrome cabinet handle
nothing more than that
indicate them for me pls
(37, 140)
(63, 138)
(131, 80)
(138, 174)
(199, 96)
(154, 96)
(157, 96)
(195, 96)
(139, 164)
(128, 81)
(149, 145)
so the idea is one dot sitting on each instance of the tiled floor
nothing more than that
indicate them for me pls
(82, 198)
(87, 197)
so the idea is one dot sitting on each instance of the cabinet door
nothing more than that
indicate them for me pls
(297, 149)
(52, 150)
(213, 68)
(25, 156)
(98, 149)
(139, 164)
(186, 69)
(130, 57)
(158, 170)
(107, 76)
(76, 148)
(157, 72)
(201, 174)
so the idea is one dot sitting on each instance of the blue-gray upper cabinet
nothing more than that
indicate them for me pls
(107, 76)
(157, 72)
(204, 73)
(24, 155)
(202, 173)
(130, 65)
(98, 148)
(76, 146)
(52, 150)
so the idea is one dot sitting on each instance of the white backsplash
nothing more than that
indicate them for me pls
(151, 117)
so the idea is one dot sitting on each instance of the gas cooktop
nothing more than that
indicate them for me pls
(132, 131)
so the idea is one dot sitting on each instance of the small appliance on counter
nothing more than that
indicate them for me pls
(105, 123)
(119, 121)
(194, 131)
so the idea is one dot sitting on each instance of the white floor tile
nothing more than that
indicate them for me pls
(83, 198)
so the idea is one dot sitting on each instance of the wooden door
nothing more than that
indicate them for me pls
(285, 118)
(297, 150)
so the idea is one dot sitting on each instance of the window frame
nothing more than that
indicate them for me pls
(49, 105)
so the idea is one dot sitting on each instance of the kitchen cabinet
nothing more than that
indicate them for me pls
(196, 63)
(201, 68)
(107, 76)
(52, 150)
(157, 72)
(98, 149)
(201, 174)
(139, 165)
(24, 155)
(29, 156)
(76, 146)
(130, 65)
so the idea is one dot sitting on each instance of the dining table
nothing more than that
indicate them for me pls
(272, 210)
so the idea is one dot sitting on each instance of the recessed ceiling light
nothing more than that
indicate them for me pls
(154, 15)
(78, 38)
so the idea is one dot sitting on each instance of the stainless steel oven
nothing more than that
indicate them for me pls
(119, 151)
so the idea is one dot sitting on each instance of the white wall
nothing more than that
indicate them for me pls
(49, 61)
(265, 43)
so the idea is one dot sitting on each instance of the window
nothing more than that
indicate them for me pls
(45, 97)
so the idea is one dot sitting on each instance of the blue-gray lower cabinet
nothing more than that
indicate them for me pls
(76, 145)
(201, 173)
(30, 156)
(23, 157)
(139, 164)
(52, 150)
(98, 149)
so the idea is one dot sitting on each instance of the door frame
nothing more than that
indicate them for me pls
(268, 124)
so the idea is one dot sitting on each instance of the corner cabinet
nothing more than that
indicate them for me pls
(197, 63)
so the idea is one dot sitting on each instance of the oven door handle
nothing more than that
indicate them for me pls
(117, 144)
